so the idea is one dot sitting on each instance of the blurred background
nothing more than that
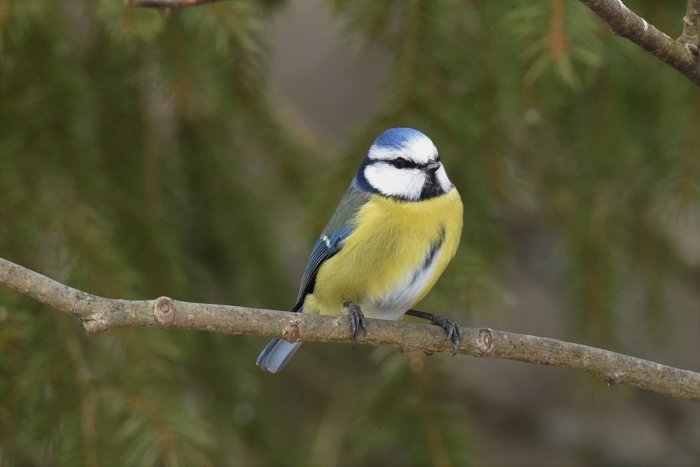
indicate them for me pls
(198, 154)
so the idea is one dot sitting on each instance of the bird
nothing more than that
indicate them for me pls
(392, 235)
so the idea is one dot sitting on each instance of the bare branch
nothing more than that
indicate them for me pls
(691, 26)
(680, 54)
(99, 314)
(167, 4)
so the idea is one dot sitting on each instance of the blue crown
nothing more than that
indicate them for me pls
(397, 138)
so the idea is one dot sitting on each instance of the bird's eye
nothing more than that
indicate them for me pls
(401, 163)
(437, 158)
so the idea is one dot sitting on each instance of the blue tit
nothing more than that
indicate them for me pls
(391, 237)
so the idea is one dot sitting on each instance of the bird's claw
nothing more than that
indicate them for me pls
(357, 321)
(451, 330)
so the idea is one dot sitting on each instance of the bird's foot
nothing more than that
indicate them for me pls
(357, 321)
(451, 329)
(449, 325)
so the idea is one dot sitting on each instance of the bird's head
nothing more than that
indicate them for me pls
(403, 163)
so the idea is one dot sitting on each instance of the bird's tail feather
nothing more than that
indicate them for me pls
(276, 354)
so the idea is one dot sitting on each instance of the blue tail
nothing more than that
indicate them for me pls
(276, 354)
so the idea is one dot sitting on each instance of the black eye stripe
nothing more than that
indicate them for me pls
(401, 163)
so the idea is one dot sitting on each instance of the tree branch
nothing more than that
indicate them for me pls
(681, 54)
(691, 26)
(99, 314)
(167, 4)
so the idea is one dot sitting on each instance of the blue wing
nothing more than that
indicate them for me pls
(341, 225)
(328, 245)
(278, 352)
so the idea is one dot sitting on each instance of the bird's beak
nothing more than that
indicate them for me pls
(432, 166)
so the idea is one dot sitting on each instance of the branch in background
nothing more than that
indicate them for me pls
(681, 54)
(99, 314)
(691, 26)
(167, 4)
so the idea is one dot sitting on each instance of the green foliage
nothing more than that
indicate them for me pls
(141, 155)
(403, 397)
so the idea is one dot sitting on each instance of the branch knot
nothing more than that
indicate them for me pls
(485, 342)
(616, 377)
(291, 333)
(164, 310)
(94, 325)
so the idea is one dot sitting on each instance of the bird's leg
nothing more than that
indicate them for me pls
(357, 320)
(450, 326)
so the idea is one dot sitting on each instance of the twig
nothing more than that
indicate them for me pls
(678, 53)
(99, 314)
(167, 4)
(682, 54)
(691, 26)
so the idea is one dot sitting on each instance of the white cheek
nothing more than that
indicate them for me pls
(388, 180)
(442, 179)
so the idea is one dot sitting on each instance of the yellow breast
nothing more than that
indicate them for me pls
(382, 265)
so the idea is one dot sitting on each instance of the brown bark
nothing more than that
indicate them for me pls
(99, 314)
(680, 54)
